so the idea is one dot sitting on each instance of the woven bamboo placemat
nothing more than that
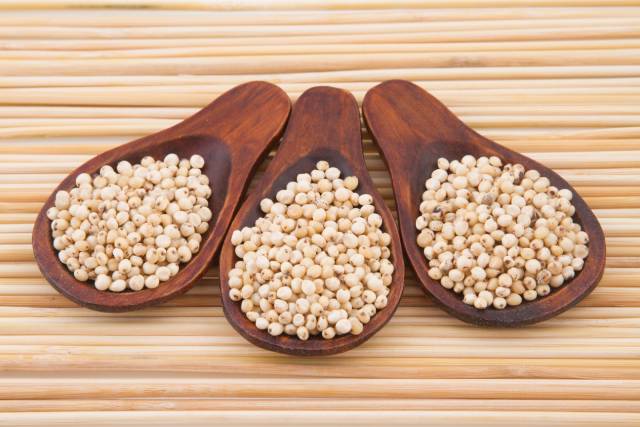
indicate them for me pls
(557, 80)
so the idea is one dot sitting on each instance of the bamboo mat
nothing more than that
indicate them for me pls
(557, 80)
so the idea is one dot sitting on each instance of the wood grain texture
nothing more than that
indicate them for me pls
(324, 125)
(232, 134)
(181, 362)
(414, 129)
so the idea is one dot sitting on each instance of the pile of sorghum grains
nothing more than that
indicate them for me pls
(132, 227)
(498, 234)
(317, 262)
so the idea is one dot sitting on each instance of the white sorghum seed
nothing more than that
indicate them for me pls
(530, 294)
(499, 303)
(469, 298)
(136, 282)
(318, 257)
(196, 161)
(302, 333)
(480, 303)
(118, 285)
(343, 326)
(102, 282)
(262, 323)
(328, 333)
(123, 208)
(152, 281)
(81, 275)
(514, 299)
(275, 329)
(163, 273)
(498, 233)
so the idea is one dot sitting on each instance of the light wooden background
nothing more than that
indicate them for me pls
(559, 82)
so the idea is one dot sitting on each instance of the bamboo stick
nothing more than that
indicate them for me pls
(454, 36)
(311, 418)
(379, 368)
(411, 314)
(13, 228)
(310, 62)
(207, 290)
(13, 238)
(442, 89)
(247, 50)
(416, 74)
(437, 328)
(372, 30)
(109, 17)
(420, 326)
(16, 218)
(67, 405)
(16, 252)
(40, 388)
(615, 213)
(252, 30)
(444, 345)
(305, 5)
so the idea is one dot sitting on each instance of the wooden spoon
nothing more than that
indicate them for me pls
(414, 129)
(324, 125)
(232, 134)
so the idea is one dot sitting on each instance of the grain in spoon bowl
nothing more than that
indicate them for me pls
(498, 235)
(131, 227)
(317, 263)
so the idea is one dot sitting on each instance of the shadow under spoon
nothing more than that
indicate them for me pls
(232, 134)
(324, 125)
(414, 129)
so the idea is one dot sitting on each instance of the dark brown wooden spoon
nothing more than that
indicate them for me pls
(414, 129)
(324, 125)
(232, 134)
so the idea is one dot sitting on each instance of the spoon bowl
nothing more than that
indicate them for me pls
(324, 125)
(414, 129)
(232, 134)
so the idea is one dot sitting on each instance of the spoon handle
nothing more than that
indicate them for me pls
(247, 119)
(323, 119)
(412, 115)
(241, 114)
(243, 118)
